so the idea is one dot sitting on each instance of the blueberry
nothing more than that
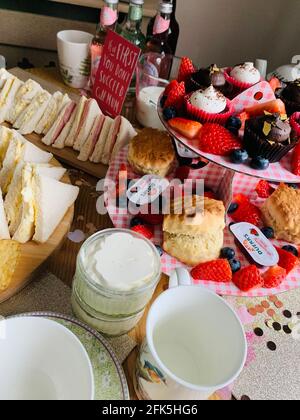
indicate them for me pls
(268, 232)
(233, 130)
(136, 221)
(170, 113)
(228, 253)
(160, 250)
(260, 163)
(291, 249)
(232, 208)
(294, 186)
(234, 122)
(239, 156)
(163, 101)
(235, 265)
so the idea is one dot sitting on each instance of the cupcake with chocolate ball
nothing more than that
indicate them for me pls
(242, 77)
(290, 95)
(269, 136)
(208, 105)
(206, 77)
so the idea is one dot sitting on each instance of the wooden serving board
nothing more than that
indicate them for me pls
(33, 255)
(67, 154)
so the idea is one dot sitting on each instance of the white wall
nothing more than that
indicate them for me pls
(227, 32)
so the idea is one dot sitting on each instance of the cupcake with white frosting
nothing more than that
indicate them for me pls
(242, 77)
(208, 105)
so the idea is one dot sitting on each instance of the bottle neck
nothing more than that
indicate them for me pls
(109, 14)
(135, 16)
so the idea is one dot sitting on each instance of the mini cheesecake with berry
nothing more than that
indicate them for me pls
(269, 137)
(208, 105)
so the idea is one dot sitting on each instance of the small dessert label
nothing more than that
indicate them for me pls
(255, 244)
(147, 189)
(184, 152)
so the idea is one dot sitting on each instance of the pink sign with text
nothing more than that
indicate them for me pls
(117, 66)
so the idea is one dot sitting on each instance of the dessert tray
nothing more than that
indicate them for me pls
(33, 255)
(277, 172)
(110, 381)
(226, 185)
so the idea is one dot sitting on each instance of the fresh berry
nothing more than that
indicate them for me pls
(163, 101)
(143, 230)
(210, 194)
(136, 221)
(239, 156)
(275, 106)
(173, 84)
(218, 270)
(232, 208)
(182, 173)
(264, 189)
(151, 219)
(294, 186)
(275, 83)
(176, 96)
(273, 277)
(248, 278)
(235, 265)
(234, 122)
(246, 211)
(227, 253)
(233, 131)
(160, 250)
(218, 140)
(268, 232)
(296, 160)
(291, 249)
(259, 163)
(287, 260)
(187, 128)
(170, 113)
(186, 69)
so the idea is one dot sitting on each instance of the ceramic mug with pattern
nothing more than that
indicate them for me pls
(195, 344)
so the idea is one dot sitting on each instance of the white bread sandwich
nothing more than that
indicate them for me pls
(56, 105)
(89, 146)
(59, 143)
(71, 137)
(28, 120)
(97, 153)
(22, 100)
(19, 150)
(48, 215)
(90, 112)
(14, 197)
(4, 232)
(58, 126)
(5, 136)
(7, 96)
(4, 75)
(120, 134)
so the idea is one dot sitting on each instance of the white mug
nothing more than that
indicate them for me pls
(74, 57)
(195, 344)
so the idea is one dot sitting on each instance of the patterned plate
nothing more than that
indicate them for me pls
(110, 381)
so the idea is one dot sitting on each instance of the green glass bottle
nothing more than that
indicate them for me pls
(131, 29)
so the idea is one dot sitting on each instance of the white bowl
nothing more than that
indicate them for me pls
(42, 360)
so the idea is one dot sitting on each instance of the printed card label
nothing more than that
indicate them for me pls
(147, 190)
(184, 152)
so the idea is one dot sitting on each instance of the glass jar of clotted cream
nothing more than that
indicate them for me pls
(116, 275)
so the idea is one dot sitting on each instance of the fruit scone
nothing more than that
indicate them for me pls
(195, 233)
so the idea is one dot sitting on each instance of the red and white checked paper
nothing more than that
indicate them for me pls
(219, 179)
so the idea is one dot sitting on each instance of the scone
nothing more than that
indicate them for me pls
(151, 152)
(197, 234)
(281, 211)
(9, 259)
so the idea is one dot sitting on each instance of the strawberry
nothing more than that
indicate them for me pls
(186, 69)
(264, 189)
(218, 140)
(275, 83)
(246, 211)
(143, 230)
(182, 173)
(248, 278)
(296, 160)
(187, 128)
(210, 194)
(218, 270)
(176, 96)
(152, 219)
(173, 84)
(287, 260)
(273, 277)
